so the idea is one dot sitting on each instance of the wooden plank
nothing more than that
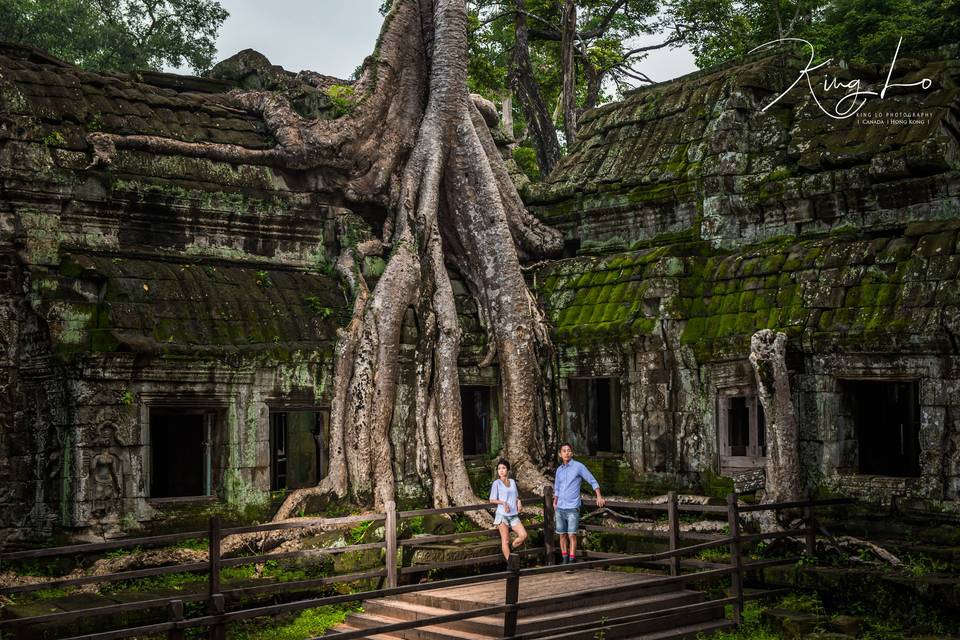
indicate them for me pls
(773, 535)
(420, 541)
(233, 562)
(631, 619)
(63, 617)
(192, 567)
(305, 524)
(692, 535)
(776, 562)
(429, 512)
(94, 547)
(793, 505)
(416, 624)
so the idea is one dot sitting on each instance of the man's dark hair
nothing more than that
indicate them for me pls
(566, 444)
(503, 462)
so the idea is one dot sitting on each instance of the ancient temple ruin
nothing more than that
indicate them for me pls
(167, 323)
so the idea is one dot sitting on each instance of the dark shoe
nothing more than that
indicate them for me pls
(564, 559)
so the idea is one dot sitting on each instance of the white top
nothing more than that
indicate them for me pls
(500, 491)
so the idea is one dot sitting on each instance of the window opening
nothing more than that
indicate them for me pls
(296, 443)
(742, 431)
(886, 425)
(595, 409)
(181, 444)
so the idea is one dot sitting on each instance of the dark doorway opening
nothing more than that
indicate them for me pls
(180, 444)
(296, 445)
(476, 419)
(886, 420)
(595, 412)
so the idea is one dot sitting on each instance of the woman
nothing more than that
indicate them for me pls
(504, 493)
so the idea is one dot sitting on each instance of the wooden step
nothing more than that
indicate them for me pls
(688, 632)
(346, 626)
(406, 610)
(629, 587)
(431, 632)
(647, 628)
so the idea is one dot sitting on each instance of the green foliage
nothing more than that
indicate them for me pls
(526, 159)
(54, 139)
(263, 279)
(919, 565)
(126, 398)
(714, 554)
(341, 98)
(316, 305)
(307, 624)
(861, 30)
(117, 35)
(750, 629)
(802, 603)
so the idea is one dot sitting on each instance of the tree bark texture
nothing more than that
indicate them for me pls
(768, 355)
(569, 66)
(527, 92)
(417, 144)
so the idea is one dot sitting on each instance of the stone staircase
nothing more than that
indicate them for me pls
(553, 610)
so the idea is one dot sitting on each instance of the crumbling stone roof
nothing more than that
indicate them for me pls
(699, 153)
(98, 303)
(74, 102)
(845, 292)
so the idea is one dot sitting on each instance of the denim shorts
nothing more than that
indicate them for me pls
(567, 520)
(510, 521)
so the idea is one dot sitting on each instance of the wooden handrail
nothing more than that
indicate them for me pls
(777, 506)
(217, 618)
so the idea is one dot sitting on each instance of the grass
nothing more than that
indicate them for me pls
(750, 629)
(307, 624)
(714, 554)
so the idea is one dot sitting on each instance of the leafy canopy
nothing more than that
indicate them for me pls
(860, 30)
(117, 35)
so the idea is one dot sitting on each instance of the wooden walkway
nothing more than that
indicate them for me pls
(550, 605)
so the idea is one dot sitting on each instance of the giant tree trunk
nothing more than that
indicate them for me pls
(768, 355)
(569, 66)
(527, 92)
(417, 144)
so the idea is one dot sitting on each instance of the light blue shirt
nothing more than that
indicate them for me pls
(566, 484)
(500, 491)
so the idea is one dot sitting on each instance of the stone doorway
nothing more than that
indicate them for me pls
(476, 405)
(181, 442)
(595, 413)
(885, 420)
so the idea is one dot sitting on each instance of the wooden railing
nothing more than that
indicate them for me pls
(217, 618)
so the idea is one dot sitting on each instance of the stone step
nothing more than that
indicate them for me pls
(538, 620)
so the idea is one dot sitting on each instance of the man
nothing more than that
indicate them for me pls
(566, 500)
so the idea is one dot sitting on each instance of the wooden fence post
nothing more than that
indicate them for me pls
(390, 535)
(512, 596)
(549, 524)
(175, 611)
(215, 603)
(673, 515)
(736, 558)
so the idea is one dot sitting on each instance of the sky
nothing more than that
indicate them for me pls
(333, 36)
